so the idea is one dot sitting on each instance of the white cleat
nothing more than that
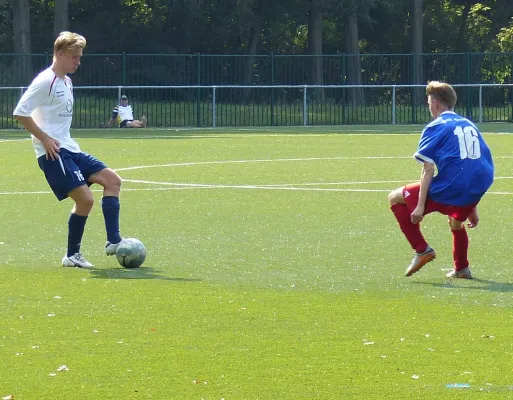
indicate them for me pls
(76, 261)
(461, 274)
(110, 248)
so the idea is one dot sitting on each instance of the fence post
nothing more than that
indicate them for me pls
(305, 107)
(123, 81)
(213, 107)
(469, 88)
(393, 104)
(480, 104)
(413, 91)
(198, 92)
(272, 89)
(343, 82)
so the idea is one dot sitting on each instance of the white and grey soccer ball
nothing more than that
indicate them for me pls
(131, 253)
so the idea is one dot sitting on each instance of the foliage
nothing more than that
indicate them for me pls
(223, 27)
(479, 28)
(504, 39)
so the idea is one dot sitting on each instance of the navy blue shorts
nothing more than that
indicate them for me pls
(124, 122)
(69, 171)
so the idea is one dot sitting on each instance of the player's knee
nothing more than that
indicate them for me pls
(395, 197)
(84, 204)
(455, 225)
(391, 197)
(114, 181)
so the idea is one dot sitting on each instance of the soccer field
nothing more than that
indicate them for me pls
(275, 270)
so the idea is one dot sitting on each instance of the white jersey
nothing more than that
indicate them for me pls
(123, 113)
(49, 101)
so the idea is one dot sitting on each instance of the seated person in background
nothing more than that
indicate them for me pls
(124, 116)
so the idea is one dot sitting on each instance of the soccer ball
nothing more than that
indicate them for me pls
(131, 253)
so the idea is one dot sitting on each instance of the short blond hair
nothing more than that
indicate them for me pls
(443, 92)
(68, 41)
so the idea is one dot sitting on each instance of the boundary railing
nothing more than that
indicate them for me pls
(274, 105)
(111, 69)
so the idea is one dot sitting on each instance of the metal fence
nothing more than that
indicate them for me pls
(273, 105)
(271, 69)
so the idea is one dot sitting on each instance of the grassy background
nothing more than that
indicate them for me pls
(280, 277)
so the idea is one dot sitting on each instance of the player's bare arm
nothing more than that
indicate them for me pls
(428, 171)
(50, 144)
(473, 218)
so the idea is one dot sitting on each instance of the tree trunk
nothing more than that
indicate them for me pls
(60, 17)
(22, 67)
(354, 69)
(462, 30)
(315, 25)
(187, 24)
(417, 48)
(256, 30)
(417, 43)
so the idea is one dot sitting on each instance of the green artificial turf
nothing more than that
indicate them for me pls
(274, 271)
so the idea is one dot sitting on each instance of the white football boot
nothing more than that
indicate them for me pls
(110, 248)
(461, 274)
(77, 261)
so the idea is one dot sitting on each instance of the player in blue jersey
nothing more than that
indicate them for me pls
(465, 169)
(46, 111)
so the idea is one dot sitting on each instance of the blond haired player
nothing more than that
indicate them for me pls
(46, 111)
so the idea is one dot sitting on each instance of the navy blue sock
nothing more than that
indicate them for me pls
(76, 225)
(110, 208)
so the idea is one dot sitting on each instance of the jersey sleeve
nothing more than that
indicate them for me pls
(115, 112)
(37, 94)
(427, 145)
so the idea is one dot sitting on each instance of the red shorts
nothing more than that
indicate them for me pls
(411, 197)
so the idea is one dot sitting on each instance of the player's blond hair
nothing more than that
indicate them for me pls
(443, 92)
(68, 41)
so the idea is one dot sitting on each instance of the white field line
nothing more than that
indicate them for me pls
(257, 161)
(153, 189)
(262, 187)
(259, 135)
(13, 140)
(337, 183)
(284, 186)
(221, 162)
(184, 186)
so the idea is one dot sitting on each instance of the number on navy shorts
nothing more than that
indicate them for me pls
(79, 175)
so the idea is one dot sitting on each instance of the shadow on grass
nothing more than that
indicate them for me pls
(484, 284)
(135, 273)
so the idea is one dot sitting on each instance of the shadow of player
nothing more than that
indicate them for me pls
(135, 273)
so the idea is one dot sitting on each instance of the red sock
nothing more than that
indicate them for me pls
(460, 249)
(410, 230)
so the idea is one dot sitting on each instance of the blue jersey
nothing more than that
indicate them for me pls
(462, 158)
